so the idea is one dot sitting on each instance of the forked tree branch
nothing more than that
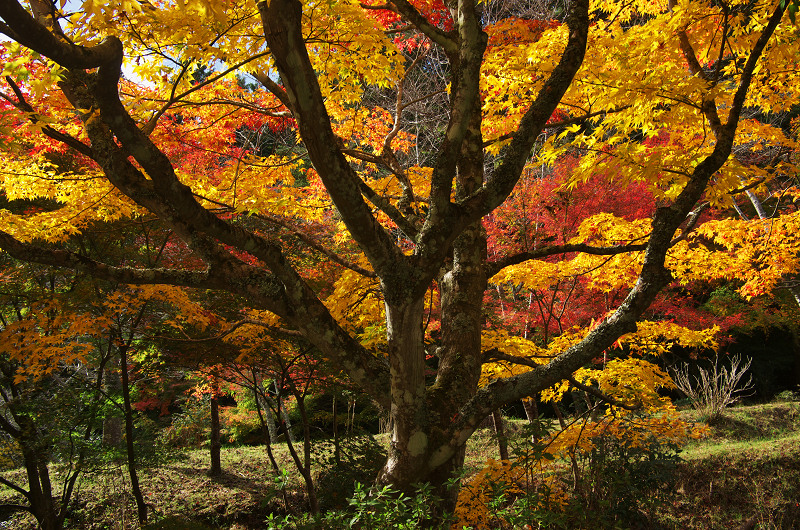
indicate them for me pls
(282, 24)
(652, 279)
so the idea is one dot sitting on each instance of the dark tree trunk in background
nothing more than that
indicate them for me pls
(500, 433)
(336, 442)
(532, 413)
(141, 507)
(216, 446)
(796, 351)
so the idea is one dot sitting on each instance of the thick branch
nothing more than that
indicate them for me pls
(494, 267)
(128, 275)
(495, 354)
(9, 427)
(708, 106)
(283, 291)
(505, 177)
(276, 90)
(282, 23)
(6, 507)
(465, 111)
(385, 205)
(23, 28)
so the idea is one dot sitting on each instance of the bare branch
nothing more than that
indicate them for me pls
(493, 355)
(311, 242)
(148, 127)
(563, 123)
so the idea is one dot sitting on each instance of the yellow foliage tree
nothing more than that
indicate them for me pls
(145, 96)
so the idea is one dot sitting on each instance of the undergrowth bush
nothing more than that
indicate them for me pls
(359, 459)
(610, 473)
(382, 508)
(190, 427)
(242, 425)
(714, 389)
(623, 483)
(613, 472)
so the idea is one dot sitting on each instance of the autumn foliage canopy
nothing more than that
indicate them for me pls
(457, 204)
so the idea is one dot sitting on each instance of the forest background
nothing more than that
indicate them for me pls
(419, 212)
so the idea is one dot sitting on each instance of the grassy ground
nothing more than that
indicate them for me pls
(745, 475)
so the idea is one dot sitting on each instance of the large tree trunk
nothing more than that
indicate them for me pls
(419, 413)
(39, 487)
(461, 291)
(409, 408)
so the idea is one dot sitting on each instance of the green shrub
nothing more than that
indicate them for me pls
(787, 396)
(189, 428)
(382, 508)
(623, 483)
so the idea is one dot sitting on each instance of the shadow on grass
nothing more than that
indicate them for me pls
(756, 422)
(729, 427)
(223, 500)
(727, 490)
(177, 523)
